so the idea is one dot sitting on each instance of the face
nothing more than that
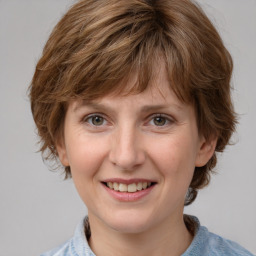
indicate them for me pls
(132, 157)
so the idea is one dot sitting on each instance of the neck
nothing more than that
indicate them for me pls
(171, 238)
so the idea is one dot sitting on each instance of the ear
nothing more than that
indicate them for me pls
(62, 152)
(205, 151)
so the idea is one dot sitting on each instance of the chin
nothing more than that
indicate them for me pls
(131, 224)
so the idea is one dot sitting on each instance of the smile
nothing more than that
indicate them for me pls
(131, 188)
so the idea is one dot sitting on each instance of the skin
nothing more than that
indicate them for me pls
(151, 135)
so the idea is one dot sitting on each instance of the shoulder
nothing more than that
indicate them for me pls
(75, 246)
(62, 250)
(207, 243)
(218, 245)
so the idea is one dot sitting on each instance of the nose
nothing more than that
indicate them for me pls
(127, 151)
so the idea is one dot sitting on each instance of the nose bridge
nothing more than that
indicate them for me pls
(126, 148)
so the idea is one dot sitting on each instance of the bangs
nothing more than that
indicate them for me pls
(102, 62)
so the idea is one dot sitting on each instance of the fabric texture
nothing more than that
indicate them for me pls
(204, 243)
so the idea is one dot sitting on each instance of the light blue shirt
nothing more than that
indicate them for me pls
(204, 243)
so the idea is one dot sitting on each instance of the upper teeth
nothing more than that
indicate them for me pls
(128, 187)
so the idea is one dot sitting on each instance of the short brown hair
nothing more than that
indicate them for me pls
(98, 43)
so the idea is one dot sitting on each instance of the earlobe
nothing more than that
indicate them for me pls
(62, 153)
(206, 151)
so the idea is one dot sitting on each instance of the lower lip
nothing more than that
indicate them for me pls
(128, 196)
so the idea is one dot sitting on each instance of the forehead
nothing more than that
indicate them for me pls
(142, 77)
(157, 94)
(138, 77)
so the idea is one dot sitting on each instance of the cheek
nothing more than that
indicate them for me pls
(175, 157)
(85, 156)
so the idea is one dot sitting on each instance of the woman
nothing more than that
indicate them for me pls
(133, 98)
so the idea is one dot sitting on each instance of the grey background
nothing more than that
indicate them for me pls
(38, 210)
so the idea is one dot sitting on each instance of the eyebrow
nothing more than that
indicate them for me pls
(149, 108)
(90, 104)
(144, 109)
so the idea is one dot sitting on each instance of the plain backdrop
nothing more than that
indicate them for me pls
(38, 210)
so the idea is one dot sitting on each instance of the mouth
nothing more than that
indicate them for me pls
(129, 188)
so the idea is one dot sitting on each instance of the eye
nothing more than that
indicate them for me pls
(95, 120)
(159, 121)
